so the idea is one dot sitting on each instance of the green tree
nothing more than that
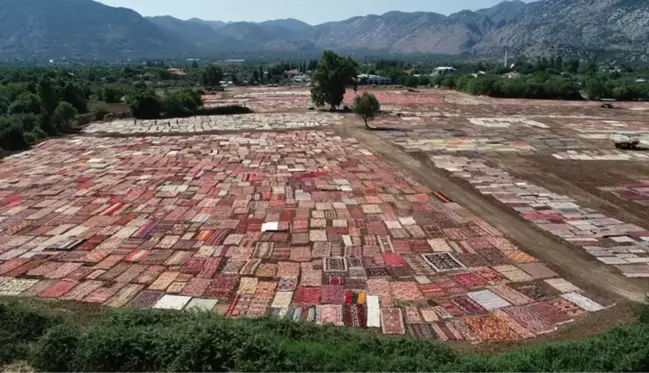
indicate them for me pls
(4, 105)
(12, 134)
(30, 122)
(331, 79)
(111, 93)
(144, 104)
(255, 77)
(411, 81)
(595, 89)
(47, 93)
(367, 107)
(64, 113)
(211, 76)
(99, 110)
(27, 103)
(261, 74)
(182, 103)
(46, 123)
(74, 95)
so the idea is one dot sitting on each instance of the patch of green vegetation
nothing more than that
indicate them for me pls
(149, 340)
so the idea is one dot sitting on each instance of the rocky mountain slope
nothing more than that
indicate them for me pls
(79, 28)
(88, 29)
(575, 27)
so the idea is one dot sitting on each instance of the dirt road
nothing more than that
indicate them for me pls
(573, 263)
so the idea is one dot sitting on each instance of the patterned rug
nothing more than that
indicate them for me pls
(392, 321)
(446, 331)
(511, 295)
(467, 305)
(470, 280)
(221, 287)
(491, 328)
(335, 264)
(421, 331)
(332, 294)
(394, 260)
(329, 314)
(442, 262)
(549, 313)
(406, 291)
(307, 296)
(355, 315)
(566, 307)
(530, 320)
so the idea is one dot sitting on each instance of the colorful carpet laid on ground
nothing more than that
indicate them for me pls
(611, 241)
(301, 225)
(635, 192)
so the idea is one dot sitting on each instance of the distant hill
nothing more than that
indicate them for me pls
(80, 28)
(88, 29)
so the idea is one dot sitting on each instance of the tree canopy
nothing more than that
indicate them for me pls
(144, 104)
(366, 106)
(211, 76)
(332, 77)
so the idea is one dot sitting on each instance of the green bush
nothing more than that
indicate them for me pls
(84, 119)
(224, 110)
(56, 350)
(151, 340)
(12, 134)
(30, 138)
(182, 103)
(99, 110)
(144, 104)
(46, 123)
(26, 104)
(111, 93)
(29, 122)
(19, 326)
(64, 114)
(4, 105)
(74, 94)
(37, 134)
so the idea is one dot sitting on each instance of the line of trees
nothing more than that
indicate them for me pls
(40, 107)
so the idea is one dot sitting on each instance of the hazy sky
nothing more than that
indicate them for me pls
(311, 11)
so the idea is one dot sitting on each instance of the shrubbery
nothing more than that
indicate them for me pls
(111, 93)
(148, 340)
(182, 103)
(40, 106)
(224, 110)
(546, 86)
(12, 133)
(99, 110)
(146, 104)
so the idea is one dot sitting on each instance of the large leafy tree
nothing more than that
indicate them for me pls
(111, 93)
(47, 93)
(27, 103)
(12, 133)
(144, 104)
(332, 77)
(182, 103)
(74, 94)
(211, 76)
(63, 114)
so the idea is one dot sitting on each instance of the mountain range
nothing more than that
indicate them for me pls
(43, 29)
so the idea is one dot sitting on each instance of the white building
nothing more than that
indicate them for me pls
(375, 79)
(443, 69)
